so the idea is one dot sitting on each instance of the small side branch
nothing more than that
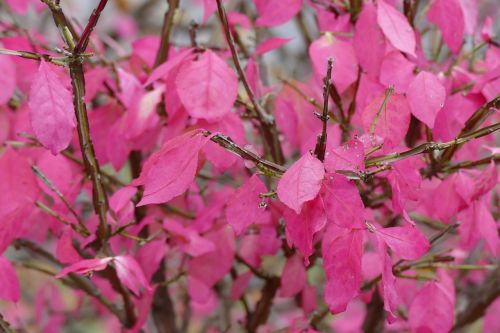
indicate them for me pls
(320, 149)
(267, 122)
(166, 30)
(431, 146)
(262, 164)
(472, 123)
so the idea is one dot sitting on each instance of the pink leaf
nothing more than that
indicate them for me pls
(426, 96)
(393, 120)
(51, 109)
(9, 283)
(301, 182)
(369, 41)
(65, 251)
(389, 292)
(271, 44)
(213, 266)
(243, 207)
(170, 171)
(342, 252)
(150, 255)
(240, 284)
(345, 64)
(396, 28)
(449, 17)
(343, 203)
(349, 156)
(276, 12)
(396, 71)
(7, 79)
(18, 193)
(301, 228)
(164, 69)
(130, 274)
(207, 86)
(431, 310)
(85, 266)
(405, 242)
(293, 277)
(194, 244)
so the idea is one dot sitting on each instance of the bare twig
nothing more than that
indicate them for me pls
(320, 148)
(94, 18)
(431, 146)
(267, 122)
(60, 61)
(168, 23)
(471, 124)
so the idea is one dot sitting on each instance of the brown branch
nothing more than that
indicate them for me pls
(320, 148)
(480, 297)
(262, 164)
(59, 61)
(81, 282)
(375, 315)
(470, 164)
(431, 146)
(5, 326)
(267, 122)
(168, 23)
(470, 125)
(80, 227)
(94, 18)
(263, 308)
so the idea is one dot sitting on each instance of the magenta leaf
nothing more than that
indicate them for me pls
(293, 277)
(170, 171)
(342, 202)
(431, 310)
(345, 64)
(393, 120)
(426, 96)
(191, 242)
(301, 182)
(7, 79)
(349, 156)
(85, 266)
(271, 44)
(406, 242)
(207, 86)
(301, 228)
(9, 284)
(342, 253)
(130, 274)
(243, 208)
(51, 109)
(396, 28)
(276, 12)
(369, 41)
(449, 17)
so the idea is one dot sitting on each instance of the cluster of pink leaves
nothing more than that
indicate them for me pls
(323, 211)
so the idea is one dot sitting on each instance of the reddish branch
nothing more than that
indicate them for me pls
(479, 298)
(168, 23)
(320, 149)
(267, 122)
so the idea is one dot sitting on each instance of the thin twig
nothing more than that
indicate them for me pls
(166, 30)
(94, 18)
(81, 227)
(264, 165)
(267, 122)
(320, 148)
(431, 146)
(60, 61)
(470, 125)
